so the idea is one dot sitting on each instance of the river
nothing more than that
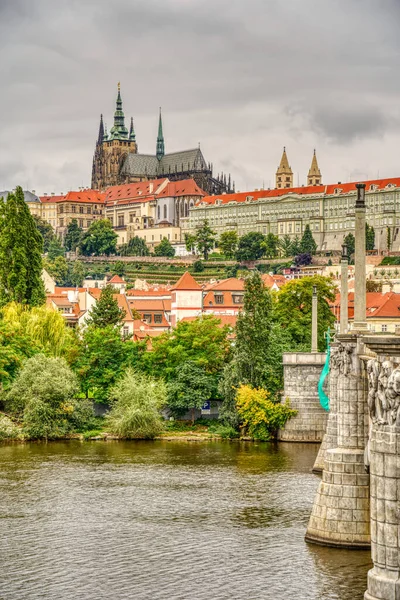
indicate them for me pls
(165, 521)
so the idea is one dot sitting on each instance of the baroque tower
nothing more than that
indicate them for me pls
(284, 174)
(112, 149)
(314, 174)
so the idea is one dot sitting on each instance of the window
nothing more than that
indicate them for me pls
(131, 218)
(88, 223)
(147, 318)
(384, 328)
(61, 222)
(89, 210)
(81, 209)
(165, 211)
(158, 212)
(73, 209)
(125, 331)
(61, 209)
(120, 220)
(158, 319)
(237, 298)
(219, 298)
(81, 223)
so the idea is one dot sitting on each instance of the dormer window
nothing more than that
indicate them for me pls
(219, 298)
(373, 188)
(337, 191)
(390, 186)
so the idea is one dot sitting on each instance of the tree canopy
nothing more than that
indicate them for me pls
(164, 248)
(135, 247)
(191, 387)
(369, 237)
(99, 239)
(73, 235)
(46, 231)
(271, 245)
(106, 310)
(251, 246)
(227, 243)
(307, 244)
(204, 239)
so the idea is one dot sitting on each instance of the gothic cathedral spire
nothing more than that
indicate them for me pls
(101, 131)
(119, 131)
(284, 174)
(314, 174)
(160, 151)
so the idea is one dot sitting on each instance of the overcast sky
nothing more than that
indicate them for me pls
(242, 77)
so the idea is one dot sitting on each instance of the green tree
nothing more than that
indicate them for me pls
(15, 347)
(102, 356)
(286, 246)
(191, 387)
(388, 238)
(271, 245)
(73, 235)
(250, 246)
(295, 246)
(58, 269)
(204, 239)
(136, 400)
(106, 310)
(307, 244)
(350, 242)
(119, 268)
(293, 310)
(21, 246)
(228, 242)
(135, 247)
(76, 273)
(55, 249)
(164, 248)
(190, 242)
(369, 237)
(46, 230)
(43, 396)
(99, 239)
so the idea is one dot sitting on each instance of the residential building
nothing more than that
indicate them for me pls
(117, 160)
(382, 311)
(186, 299)
(327, 209)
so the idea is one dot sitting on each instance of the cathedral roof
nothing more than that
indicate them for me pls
(28, 196)
(140, 164)
(148, 164)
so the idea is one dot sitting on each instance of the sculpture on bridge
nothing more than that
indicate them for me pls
(383, 392)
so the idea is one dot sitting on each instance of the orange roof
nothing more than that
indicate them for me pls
(50, 199)
(378, 305)
(271, 280)
(65, 290)
(187, 282)
(345, 188)
(59, 300)
(84, 196)
(139, 190)
(232, 284)
(150, 305)
(116, 279)
(150, 293)
(186, 187)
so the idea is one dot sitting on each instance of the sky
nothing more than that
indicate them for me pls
(241, 77)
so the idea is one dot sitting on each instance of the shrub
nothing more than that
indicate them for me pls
(8, 429)
(224, 431)
(198, 266)
(261, 417)
(135, 404)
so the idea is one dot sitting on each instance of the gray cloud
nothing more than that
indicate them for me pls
(244, 77)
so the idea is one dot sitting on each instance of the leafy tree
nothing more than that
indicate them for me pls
(55, 249)
(46, 231)
(190, 242)
(164, 248)
(296, 246)
(190, 388)
(73, 236)
(259, 415)
(350, 242)
(21, 246)
(271, 245)
(102, 356)
(204, 239)
(99, 239)
(136, 400)
(135, 247)
(106, 310)
(302, 260)
(228, 242)
(293, 310)
(76, 273)
(119, 268)
(286, 246)
(42, 395)
(369, 237)
(15, 348)
(198, 266)
(58, 269)
(388, 238)
(373, 286)
(308, 245)
(250, 246)
(202, 341)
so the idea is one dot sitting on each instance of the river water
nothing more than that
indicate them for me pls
(165, 521)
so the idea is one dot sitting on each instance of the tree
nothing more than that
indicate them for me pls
(102, 356)
(286, 246)
(135, 247)
(250, 246)
(136, 400)
(293, 310)
(106, 310)
(164, 248)
(369, 237)
(271, 245)
(204, 239)
(307, 244)
(191, 387)
(73, 236)
(21, 246)
(296, 245)
(15, 347)
(77, 273)
(388, 238)
(302, 260)
(350, 242)
(190, 241)
(228, 242)
(99, 239)
(45, 230)
(58, 269)
(119, 268)
(43, 396)
(55, 249)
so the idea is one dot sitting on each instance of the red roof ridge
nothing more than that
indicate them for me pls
(187, 282)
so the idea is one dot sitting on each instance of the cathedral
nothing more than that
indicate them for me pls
(117, 161)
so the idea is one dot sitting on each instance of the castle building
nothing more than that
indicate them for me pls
(117, 161)
(284, 174)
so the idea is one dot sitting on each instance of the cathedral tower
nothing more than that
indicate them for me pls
(314, 174)
(284, 174)
(160, 151)
(112, 149)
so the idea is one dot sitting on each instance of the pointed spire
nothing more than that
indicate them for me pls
(160, 151)
(105, 137)
(101, 131)
(132, 135)
(284, 174)
(314, 174)
(119, 131)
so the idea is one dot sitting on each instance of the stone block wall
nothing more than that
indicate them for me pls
(302, 371)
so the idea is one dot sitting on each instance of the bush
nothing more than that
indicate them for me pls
(135, 404)
(42, 396)
(224, 431)
(198, 266)
(261, 417)
(8, 429)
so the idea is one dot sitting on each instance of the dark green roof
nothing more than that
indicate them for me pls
(149, 166)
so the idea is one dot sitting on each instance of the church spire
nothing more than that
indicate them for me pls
(160, 139)
(284, 174)
(132, 135)
(119, 131)
(101, 131)
(314, 176)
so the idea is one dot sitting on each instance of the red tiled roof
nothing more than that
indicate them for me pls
(150, 305)
(116, 279)
(186, 187)
(232, 284)
(378, 305)
(151, 293)
(139, 191)
(50, 199)
(187, 282)
(84, 196)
